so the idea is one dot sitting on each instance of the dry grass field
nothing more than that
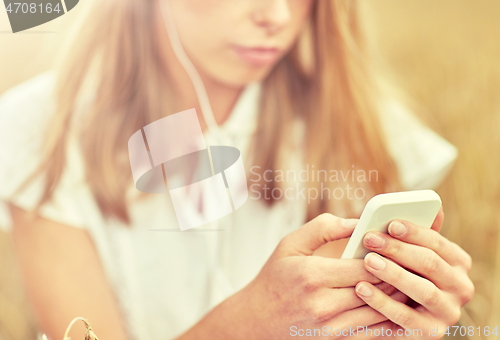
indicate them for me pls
(445, 54)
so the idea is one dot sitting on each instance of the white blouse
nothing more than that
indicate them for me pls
(165, 280)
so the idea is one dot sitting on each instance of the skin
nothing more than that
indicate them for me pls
(439, 286)
(64, 277)
(242, 23)
(296, 288)
(226, 24)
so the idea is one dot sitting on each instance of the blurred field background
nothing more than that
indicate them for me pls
(445, 54)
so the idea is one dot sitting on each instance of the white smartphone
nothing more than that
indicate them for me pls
(419, 207)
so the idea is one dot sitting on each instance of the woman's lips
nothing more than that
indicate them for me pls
(258, 56)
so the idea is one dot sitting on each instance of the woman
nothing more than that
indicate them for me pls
(289, 86)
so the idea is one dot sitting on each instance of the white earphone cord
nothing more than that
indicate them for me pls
(208, 116)
(206, 108)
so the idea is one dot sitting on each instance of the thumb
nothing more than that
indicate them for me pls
(324, 228)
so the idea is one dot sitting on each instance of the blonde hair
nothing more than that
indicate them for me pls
(325, 80)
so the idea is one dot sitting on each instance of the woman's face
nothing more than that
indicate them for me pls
(238, 41)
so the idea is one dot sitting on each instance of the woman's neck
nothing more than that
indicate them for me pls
(222, 97)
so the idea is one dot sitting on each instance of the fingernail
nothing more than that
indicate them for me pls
(349, 222)
(364, 290)
(375, 261)
(397, 229)
(373, 240)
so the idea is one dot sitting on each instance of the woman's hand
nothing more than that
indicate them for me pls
(425, 266)
(297, 289)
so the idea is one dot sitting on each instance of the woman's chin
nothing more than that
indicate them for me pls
(236, 75)
(240, 78)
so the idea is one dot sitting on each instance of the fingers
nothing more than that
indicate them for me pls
(419, 259)
(324, 228)
(386, 288)
(394, 310)
(428, 238)
(336, 273)
(438, 221)
(382, 329)
(334, 302)
(417, 288)
(362, 315)
(330, 302)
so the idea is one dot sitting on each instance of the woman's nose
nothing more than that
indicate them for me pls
(273, 15)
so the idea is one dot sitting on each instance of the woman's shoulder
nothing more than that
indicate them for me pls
(30, 93)
(25, 108)
(26, 112)
(23, 114)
